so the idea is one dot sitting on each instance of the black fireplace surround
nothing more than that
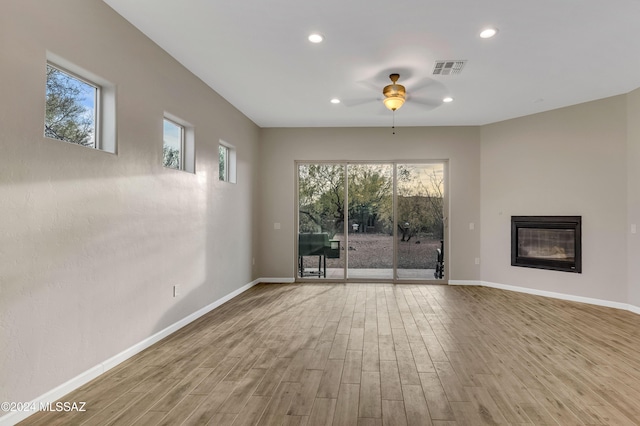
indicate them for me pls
(547, 242)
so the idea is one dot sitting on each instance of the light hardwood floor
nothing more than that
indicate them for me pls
(378, 354)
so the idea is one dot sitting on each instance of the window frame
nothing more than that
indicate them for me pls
(96, 107)
(181, 157)
(223, 152)
(105, 130)
(396, 218)
(187, 143)
(230, 165)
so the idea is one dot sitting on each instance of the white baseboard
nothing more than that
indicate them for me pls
(563, 296)
(277, 280)
(55, 394)
(570, 297)
(464, 282)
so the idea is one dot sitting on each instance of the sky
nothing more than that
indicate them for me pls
(172, 135)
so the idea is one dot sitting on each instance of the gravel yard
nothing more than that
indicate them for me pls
(376, 251)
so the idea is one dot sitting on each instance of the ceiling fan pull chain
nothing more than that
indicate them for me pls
(393, 126)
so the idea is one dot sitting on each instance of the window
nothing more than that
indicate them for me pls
(384, 221)
(71, 108)
(173, 149)
(178, 147)
(223, 156)
(79, 106)
(226, 162)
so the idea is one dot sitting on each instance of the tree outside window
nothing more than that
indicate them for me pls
(173, 147)
(223, 161)
(71, 108)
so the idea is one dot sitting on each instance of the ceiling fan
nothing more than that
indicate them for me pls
(394, 93)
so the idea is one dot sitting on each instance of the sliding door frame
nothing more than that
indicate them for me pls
(394, 164)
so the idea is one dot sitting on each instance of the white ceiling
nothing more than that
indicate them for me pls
(547, 54)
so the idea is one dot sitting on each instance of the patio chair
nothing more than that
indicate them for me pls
(439, 273)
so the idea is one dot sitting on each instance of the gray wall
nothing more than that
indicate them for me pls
(633, 194)
(92, 243)
(280, 148)
(570, 161)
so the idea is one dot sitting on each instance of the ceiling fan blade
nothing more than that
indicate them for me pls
(370, 85)
(423, 85)
(426, 102)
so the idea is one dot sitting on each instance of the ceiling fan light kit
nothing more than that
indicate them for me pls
(394, 94)
(393, 102)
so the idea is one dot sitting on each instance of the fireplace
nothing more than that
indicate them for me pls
(547, 242)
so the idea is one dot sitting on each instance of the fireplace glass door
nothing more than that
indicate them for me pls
(547, 242)
(543, 243)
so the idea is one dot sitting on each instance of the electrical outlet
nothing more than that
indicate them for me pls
(477, 260)
(634, 228)
(276, 226)
(472, 226)
(176, 290)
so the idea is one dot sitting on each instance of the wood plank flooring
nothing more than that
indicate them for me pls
(378, 354)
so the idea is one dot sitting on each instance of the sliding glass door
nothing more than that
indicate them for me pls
(420, 236)
(321, 192)
(371, 221)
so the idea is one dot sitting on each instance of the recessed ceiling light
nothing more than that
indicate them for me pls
(316, 38)
(335, 101)
(488, 32)
(447, 99)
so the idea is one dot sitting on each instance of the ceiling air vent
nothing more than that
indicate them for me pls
(448, 67)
